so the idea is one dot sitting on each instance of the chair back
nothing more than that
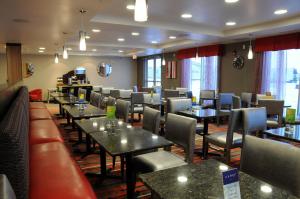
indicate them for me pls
(180, 104)
(263, 97)
(189, 94)
(122, 109)
(115, 93)
(111, 101)
(254, 119)
(95, 99)
(236, 102)
(271, 161)
(151, 120)
(82, 91)
(181, 130)
(168, 93)
(235, 124)
(157, 89)
(155, 97)
(137, 98)
(182, 91)
(273, 107)
(207, 94)
(246, 99)
(97, 88)
(225, 100)
(106, 90)
(125, 94)
(135, 89)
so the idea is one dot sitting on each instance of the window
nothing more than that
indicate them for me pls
(281, 73)
(204, 74)
(153, 72)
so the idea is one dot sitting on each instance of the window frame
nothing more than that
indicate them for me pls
(155, 82)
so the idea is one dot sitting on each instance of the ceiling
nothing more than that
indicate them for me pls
(52, 24)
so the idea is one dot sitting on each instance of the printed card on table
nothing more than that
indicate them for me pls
(231, 185)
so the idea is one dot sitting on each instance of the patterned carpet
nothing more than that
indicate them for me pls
(116, 188)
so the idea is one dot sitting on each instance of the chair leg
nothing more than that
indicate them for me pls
(122, 166)
(205, 149)
(227, 155)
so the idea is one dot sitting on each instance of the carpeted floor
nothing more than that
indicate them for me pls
(116, 188)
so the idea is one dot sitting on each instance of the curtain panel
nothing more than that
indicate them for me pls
(186, 70)
(204, 51)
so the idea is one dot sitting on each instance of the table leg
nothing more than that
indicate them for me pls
(60, 109)
(103, 161)
(130, 177)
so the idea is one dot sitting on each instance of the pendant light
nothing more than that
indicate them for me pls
(65, 53)
(141, 11)
(56, 58)
(250, 53)
(82, 34)
(163, 59)
(197, 55)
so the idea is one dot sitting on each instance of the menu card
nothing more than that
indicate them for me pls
(290, 115)
(81, 97)
(231, 185)
(111, 112)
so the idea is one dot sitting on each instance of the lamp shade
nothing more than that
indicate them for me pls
(250, 53)
(65, 53)
(56, 58)
(141, 11)
(82, 43)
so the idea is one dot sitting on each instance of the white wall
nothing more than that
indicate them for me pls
(124, 71)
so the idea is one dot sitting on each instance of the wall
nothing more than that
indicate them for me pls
(234, 80)
(3, 71)
(124, 72)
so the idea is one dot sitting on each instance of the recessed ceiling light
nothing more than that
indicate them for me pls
(96, 30)
(172, 37)
(280, 12)
(230, 23)
(135, 33)
(121, 51)
(130, 6)
(69, 48)
(41, 51)
(94, 50)
(154, 42)
(231, 1)
(87, 37)
(121, 39)
(42, 48)
(186, 16)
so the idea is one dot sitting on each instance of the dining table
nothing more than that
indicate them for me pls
(288, 133)
(69, 100)
(204, 180)
(121, 139)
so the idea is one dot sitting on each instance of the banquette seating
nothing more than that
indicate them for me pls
(33, 155)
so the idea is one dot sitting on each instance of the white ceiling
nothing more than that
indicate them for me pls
(54, 23)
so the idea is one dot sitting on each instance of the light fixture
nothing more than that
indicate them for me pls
(135, 33)
(231, 1)
(140, 11)
(134, 56)
(42, 48)
(65, 53)
(121, 39)
(186, 16)
(230, 23)
(197, 55)
(154, 42)
(280, 12)
(96, 30)
(56, 58)
(172, 37)
(163, 59)
(82, 34)
(250, 53)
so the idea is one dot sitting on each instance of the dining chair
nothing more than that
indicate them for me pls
(224, 105)
(162, 159)
(263, 97)
(115, 93)
(151, 120)
(246, 99)
(229, 139)
(95, 99)
(274, 112)
(168, 93)
(111, 101)
(135, 89)
(182, 91)
(155, 97)
(236, 102)
(254, 120)
(136, 105)
(273, 162)
(97, 88)
(207, 94)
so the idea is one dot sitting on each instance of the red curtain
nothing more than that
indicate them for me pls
(280, 42)
(204, 51)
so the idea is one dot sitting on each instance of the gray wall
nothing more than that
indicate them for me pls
(124, 72)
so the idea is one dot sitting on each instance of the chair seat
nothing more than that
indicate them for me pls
(157, 161)
(219, 139)
(224, 112)
(272, 124)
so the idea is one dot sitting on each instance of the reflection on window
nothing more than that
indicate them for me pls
(153, 76)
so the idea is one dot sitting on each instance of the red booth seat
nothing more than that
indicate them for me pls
(44, 131)
(54, 174)
(39, 114)
(37, 105)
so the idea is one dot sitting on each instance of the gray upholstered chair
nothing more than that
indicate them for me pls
(155, 97)
(273, 162)
(136, 106)
(236, 102)
(230, 139)
(208, 94)
(274, 111)
(175, 126)
(224, 105)
(254, 120)
(151, 120)
(168, 93)
(246, 99)
(122, 109)
(111, 101)
(115, 93)
(95, 99)
(82, 91)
